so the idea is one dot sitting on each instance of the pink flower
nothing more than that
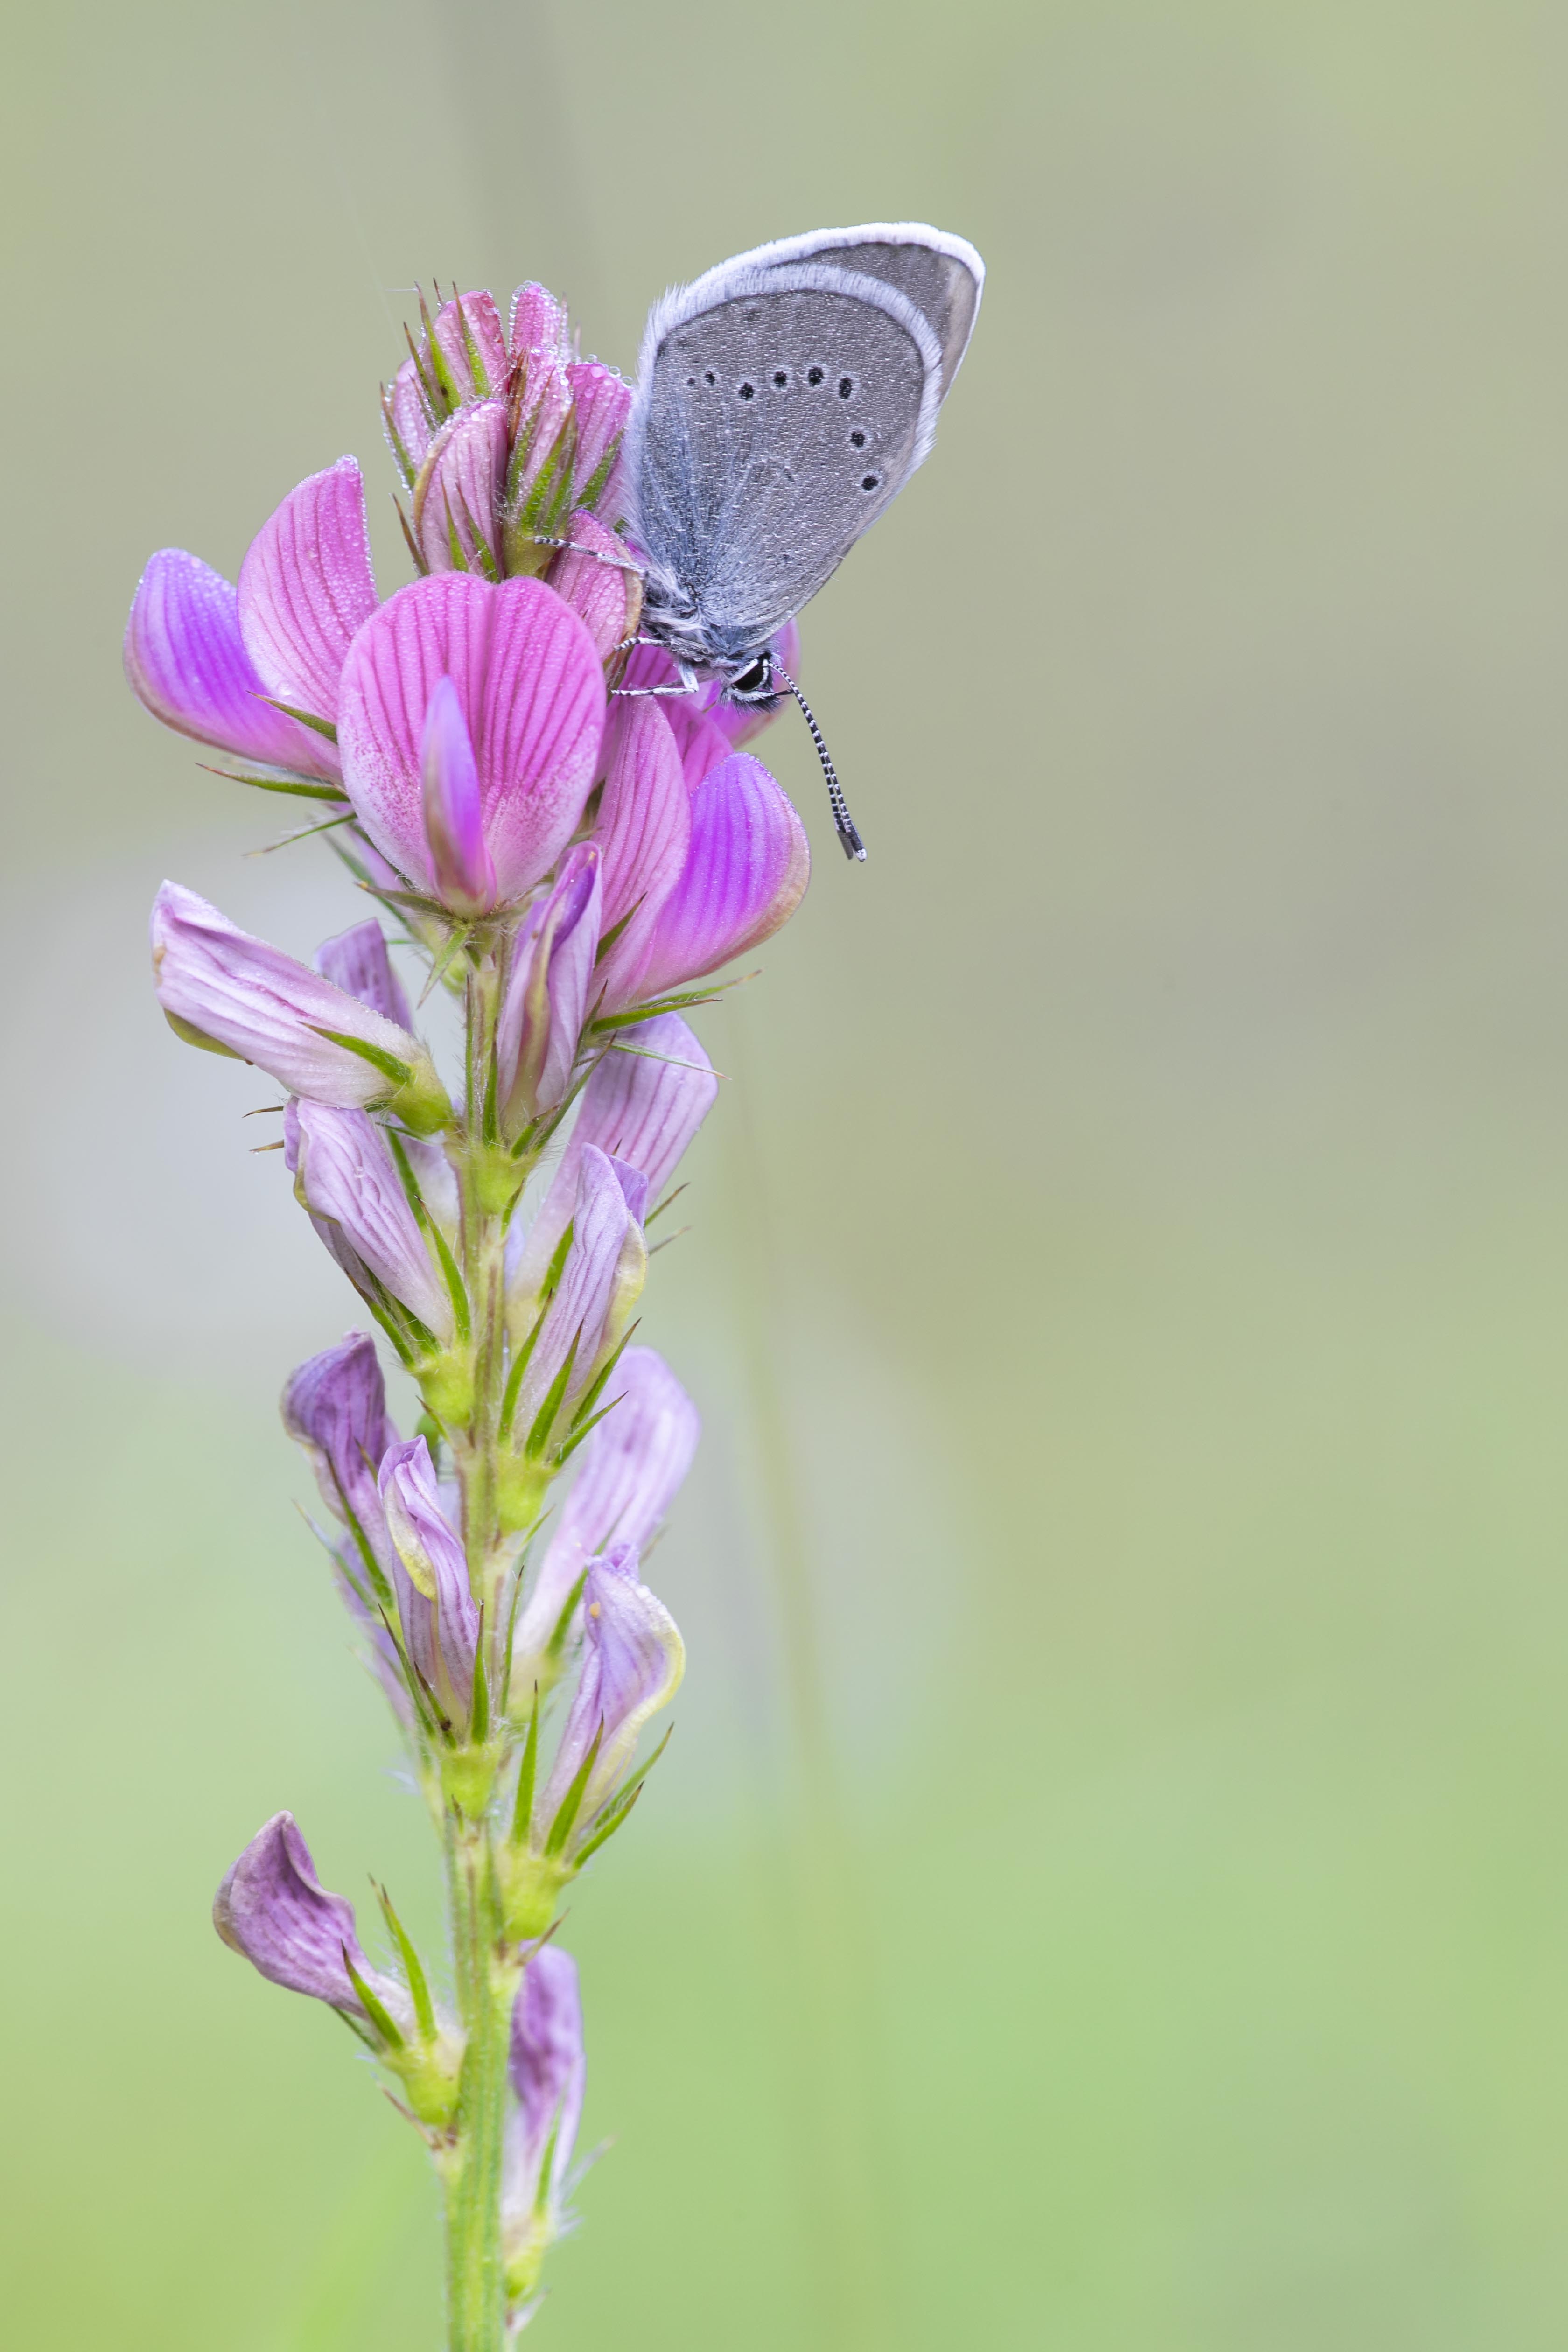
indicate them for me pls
(512, 750)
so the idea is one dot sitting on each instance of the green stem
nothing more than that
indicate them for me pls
(485, 1986)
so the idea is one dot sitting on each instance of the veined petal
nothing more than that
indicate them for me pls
(548, 2073)
(632, 1468)
(432, 1557)
(409, 425)
(644, 829)
(597, 578)
(602, 401)
(469, 330)
(220, 985)
(454, 831)
(644, 1103)
(335, 1407)
(459, 491)
(587, 1295)
(533, 696)
(346, 1176)
(547, 992)
(357, 962)
(274, 1910)
(187, 664)
(306, 586)
(746, 873)
(538, 323)
(632, 1660)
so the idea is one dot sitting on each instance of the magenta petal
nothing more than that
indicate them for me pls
(464, 877)
(746, 874)
(409, 427)
(532, 696)
(187, 663)
(602, 401)
(305, 587)
(459, 493)
(643, 830)
(482, 319)
(538, 322)
(600, 585)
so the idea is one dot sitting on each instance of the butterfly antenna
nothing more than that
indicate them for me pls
(848, 833)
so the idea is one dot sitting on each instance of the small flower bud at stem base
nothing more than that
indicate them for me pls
(530, 1887)
(468, 1780)
(429, 2079)
(521, 1487)
(446, 1385)
(499, 1178)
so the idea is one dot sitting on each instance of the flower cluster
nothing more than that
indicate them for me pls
(572, 858)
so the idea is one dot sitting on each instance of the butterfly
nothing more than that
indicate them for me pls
(781, 401)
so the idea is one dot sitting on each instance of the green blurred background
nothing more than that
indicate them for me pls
(1109, 1890)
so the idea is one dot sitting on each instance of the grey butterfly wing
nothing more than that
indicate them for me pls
(778, 410)
(941, 273)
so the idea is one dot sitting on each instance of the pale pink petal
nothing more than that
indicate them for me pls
(459, 488)
(407, 416)
(484, 329)
(538, 322)
(602, 401)
(643, 830)
(306, 586)
(602, 586)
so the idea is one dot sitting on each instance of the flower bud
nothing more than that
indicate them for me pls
(221, 988)
(588, 1313)
(273, 1910)
(547, 994)
(548, 2071)
(346, 1176)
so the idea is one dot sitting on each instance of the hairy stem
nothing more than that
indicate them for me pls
(486, 1985)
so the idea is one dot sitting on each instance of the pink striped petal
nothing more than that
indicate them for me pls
(457, 495)
(602, 401)
(187, 663)
(746, 874)
(538, 322)
(306, 586)
(602, 586)
(531, 694)
(482, 319)
(454, 833)
(409, 426)
(643, 830)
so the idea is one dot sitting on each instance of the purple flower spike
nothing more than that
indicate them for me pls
(746, 873)
(465, 877)
(346, 1177)
(547, 992)
(459, 491)
(306, 586)
(633, 1659)
(357, 962)
(633, 1466)
(335, 1407)
(440, 1617)
(645, 831)
(221, 987)
(549, 2072)
(273, 1910)
(529, 684)
(644, 1103)
(598, 583)
(600, 1283)
(187, 664)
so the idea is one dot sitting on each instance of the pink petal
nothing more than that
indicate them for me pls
(601, 586)
(532, 693)
(454, 834)
(746, 874)
(602, 401)
(483, 320)
(306, 586)
(187, 663)
(408, 416)
(459, 489)
(538, 322)
(643, 830)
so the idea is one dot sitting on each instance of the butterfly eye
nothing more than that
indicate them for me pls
(757, 679)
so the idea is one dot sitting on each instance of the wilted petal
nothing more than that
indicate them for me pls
(187, 664)
(633, 1659)
(306, 586)
(442, 1636)
(548, 2073)
(457, 495)
(335, 1407)
(602, 401)
(220, 985)
(746, 873)
(346, 1176)
(633, 1466)
(357, 962)
(274, 1910)
(599, 1284)
(644, 829)
(644, 1103)
(532, 696)
(597, 578)
(453, 833)
(547, 992)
